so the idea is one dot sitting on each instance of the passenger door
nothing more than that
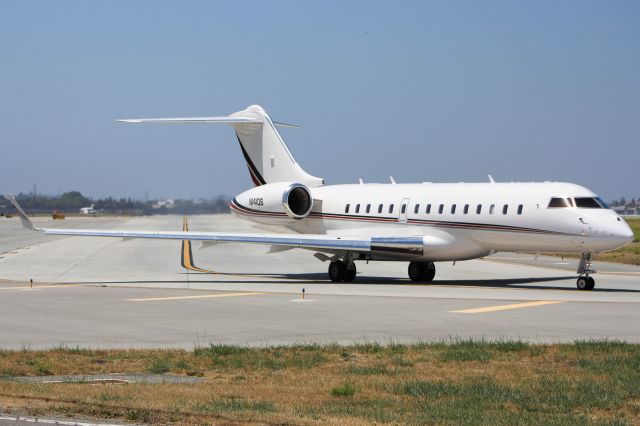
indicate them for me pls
(404, 209)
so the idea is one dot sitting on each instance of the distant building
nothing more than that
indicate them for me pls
(626, 208)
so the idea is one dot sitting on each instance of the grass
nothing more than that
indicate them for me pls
(454, 382)
(160, 366)
(345, 389)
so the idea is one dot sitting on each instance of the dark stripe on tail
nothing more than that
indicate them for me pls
(256, 177)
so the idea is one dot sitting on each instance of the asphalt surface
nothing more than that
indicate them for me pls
(105, 293)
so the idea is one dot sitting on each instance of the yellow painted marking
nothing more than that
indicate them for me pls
(202, 296)
(507, 307)
(35, 286)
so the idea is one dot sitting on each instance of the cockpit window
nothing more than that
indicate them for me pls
(590, 203)
(602, 203)
(558, 202)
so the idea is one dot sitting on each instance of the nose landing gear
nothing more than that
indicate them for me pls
(585, 281)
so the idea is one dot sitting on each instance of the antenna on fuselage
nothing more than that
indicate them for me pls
(393, 181)
(360, 181)
(491, 179)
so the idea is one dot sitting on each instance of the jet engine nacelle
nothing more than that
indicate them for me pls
(284, 200)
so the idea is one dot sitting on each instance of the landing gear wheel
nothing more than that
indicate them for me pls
(349, 272)
(416, 271)
(585, 283)
(337, 271)
(429, 272)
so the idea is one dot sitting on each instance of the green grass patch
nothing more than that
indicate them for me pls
(345, 389)
(275, 358)
(234, 404)
(159, 366)
(466, 350)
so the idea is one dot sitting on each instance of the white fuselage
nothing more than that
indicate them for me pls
(456, 220)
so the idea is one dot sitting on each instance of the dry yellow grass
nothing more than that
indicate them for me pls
(459, 383)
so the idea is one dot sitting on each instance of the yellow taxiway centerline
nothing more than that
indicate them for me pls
(202, 296)
(507, 307)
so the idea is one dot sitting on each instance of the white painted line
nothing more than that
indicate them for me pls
(53, 421)
(303, 300)
(38, 287)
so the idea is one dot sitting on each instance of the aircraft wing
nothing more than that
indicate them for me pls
(320, 242)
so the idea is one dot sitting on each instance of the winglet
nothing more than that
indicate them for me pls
(26, 222)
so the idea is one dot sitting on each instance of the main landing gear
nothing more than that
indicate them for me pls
(342, 271)
(422, 271)
(585, 281)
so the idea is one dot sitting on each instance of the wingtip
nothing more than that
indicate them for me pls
(128, 120)
(24, 219)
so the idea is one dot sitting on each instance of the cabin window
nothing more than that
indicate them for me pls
(505, 208)
(492, 208)
(466, 208)
(416, 209)
(380, 208)
(453, 208)
(559, 202)
(428, 208)
(520, 209)
(479, 209)
(346, 208)
(590, 203)
(357, 208)
(368, 208)
(390, 208)
(441, 208)
(403, 209)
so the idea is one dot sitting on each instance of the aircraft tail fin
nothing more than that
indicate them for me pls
(267, 156)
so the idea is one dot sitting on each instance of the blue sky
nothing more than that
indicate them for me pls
(423, 91)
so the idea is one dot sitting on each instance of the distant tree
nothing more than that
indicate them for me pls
(72, 200)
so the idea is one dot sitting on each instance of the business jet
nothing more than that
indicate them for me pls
(88, 210)
(420, 223)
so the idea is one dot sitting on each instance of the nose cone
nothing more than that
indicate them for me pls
(622, 233)
(626, 232)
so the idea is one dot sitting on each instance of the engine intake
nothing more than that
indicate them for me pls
(275, 203)
(297, 201)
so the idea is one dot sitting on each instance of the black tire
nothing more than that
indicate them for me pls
(350, 272)
(429, 272)
(336, 271)
(416, 271)
(582, 283)
(591, 283)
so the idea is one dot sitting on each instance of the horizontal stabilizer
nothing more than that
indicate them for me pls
(193, 120)
(203, 120)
